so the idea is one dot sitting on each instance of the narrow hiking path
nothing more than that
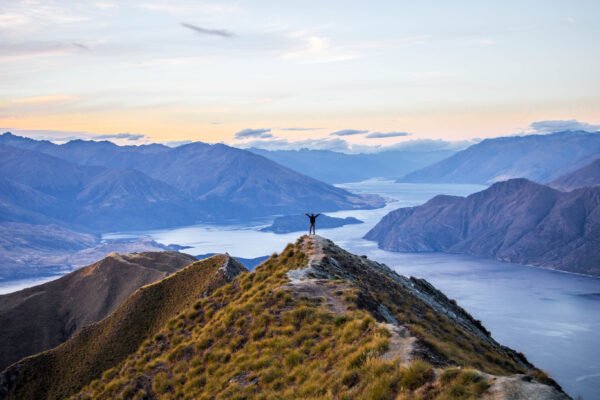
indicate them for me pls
(304, 283)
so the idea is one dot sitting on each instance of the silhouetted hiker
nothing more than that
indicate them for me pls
(313, 219)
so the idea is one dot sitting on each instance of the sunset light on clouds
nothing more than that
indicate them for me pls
(206, 71)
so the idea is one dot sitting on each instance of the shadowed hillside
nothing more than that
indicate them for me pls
(586, 176)
(41, 317)
(64, 370)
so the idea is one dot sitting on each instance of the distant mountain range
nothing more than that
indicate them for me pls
(42, 317)
(517, 221)
(335, 167)
(298, 223)
(308, 322)
(105, 187)
(540, 158)
(588, 175)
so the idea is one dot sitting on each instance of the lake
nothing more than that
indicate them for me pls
(550, 316)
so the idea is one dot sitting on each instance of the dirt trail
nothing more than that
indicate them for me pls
(303, 283)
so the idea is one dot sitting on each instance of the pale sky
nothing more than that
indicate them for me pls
(375, 72)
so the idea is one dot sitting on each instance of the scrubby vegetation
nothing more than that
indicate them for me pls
(64, 370)
(254, 338)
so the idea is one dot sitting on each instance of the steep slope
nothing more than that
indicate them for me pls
(21, 203)
(65, 369)
(42, 317)
(122, 199)
(588, 175)
(517, 221)
(335, 167)
(46, 174)
(313, 322)
(540, 158)
(44, 189)
(242, 184)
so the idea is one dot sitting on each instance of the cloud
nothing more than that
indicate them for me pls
(65, 136)
(426, 145)
(381, 135)
(551, 126)
(262, 133)
(311, 48)
(81, 46)
(348, 132)
(299, 129)
(46, 99)
(125, 136)
(312, 144)
(206, 31)
(177, 143)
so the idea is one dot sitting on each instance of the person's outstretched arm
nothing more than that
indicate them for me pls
(307, 215)
(317, 215)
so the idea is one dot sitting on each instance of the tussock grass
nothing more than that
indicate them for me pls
(254, 338)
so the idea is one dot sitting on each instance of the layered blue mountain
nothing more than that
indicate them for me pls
(516, 221)
(102, 186)
(588, 175)
(541, 158)
(335, 167)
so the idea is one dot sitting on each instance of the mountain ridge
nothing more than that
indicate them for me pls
(541, 158)
(588, 175)
(311, 322)
(516, 221)
(41, 317)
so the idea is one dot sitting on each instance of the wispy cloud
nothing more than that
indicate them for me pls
(299, 129)
(54, 98)
(81, 46)
(177, 143)
(207, 31)
(551, 126)
(65, 136)
(381, 135)
(124, 136)
(262, 133)
(348, 132)
(312, 48)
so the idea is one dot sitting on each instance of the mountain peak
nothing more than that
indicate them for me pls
(312, 320)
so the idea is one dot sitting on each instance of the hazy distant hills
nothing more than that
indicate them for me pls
(41, 317)
(335, 167)
(541, 158)
(516, 220)
(102, 186)
(588, 175)
(310, 321)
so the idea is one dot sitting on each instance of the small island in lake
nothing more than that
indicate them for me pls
(297, 223)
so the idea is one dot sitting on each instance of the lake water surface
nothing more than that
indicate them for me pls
(550, 316)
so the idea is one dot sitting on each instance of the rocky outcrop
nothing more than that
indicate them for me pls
(516, 221)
